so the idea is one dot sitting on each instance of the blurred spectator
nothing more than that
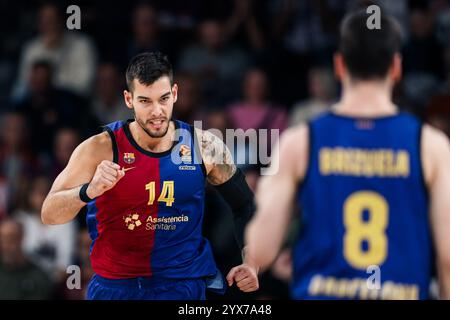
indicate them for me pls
(418, 88)
(188, 105)
(243, 20)
(437, 112)
(82, 260)
(218, 65)
(19, 277)
(66, 140)
(217, 118)
(255, 110)
(71, 53)
(50, 247)
(441, 10)
(422, 52)
(304, 33)
(84, 249)
(108, 103)
(308, 26)
(422, 60)
(18, 164)
(145, 31)
(47, 108)
(322, 90)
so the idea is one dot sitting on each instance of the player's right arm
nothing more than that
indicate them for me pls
(90, 163)
(436, 164)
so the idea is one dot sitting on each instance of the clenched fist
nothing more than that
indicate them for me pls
(245, 276)
(105, 178)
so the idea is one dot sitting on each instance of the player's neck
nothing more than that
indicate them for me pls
(153, 144)
(367, 99)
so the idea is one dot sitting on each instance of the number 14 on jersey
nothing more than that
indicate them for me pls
(166, 196)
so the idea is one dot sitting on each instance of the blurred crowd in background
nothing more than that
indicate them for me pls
(264, 64)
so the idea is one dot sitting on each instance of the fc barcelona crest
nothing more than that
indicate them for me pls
(128, 157)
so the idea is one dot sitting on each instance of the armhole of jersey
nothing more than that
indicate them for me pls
(419, 150)
(114, 144)
(197, 155)
(310, 156)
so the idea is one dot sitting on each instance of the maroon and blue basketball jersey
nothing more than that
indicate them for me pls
(364, 230)
(150, 223)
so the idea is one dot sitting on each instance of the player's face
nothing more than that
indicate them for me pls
(152, 105)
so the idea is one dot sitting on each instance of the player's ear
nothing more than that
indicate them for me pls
(339, 66)
(128, 97)
(175, 92)
(395, 71)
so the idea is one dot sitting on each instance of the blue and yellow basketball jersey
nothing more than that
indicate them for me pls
(364, 212)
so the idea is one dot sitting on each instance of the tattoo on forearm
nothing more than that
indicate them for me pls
(216, 153)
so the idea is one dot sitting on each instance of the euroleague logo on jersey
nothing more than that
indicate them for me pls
(186, 158)
(185, 154)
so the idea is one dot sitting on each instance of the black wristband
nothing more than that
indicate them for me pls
(83, 195)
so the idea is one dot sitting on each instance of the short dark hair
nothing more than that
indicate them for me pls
(368, 53)
(147, 68)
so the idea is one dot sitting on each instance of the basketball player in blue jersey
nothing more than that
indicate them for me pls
(372, 183)
(144, 188)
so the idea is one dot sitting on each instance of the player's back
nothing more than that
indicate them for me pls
(363, 204)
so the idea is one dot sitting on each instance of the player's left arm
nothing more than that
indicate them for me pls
(230, 182)
(435, 160)
(275, 197)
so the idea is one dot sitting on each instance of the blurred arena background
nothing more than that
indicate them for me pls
(263, 64)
